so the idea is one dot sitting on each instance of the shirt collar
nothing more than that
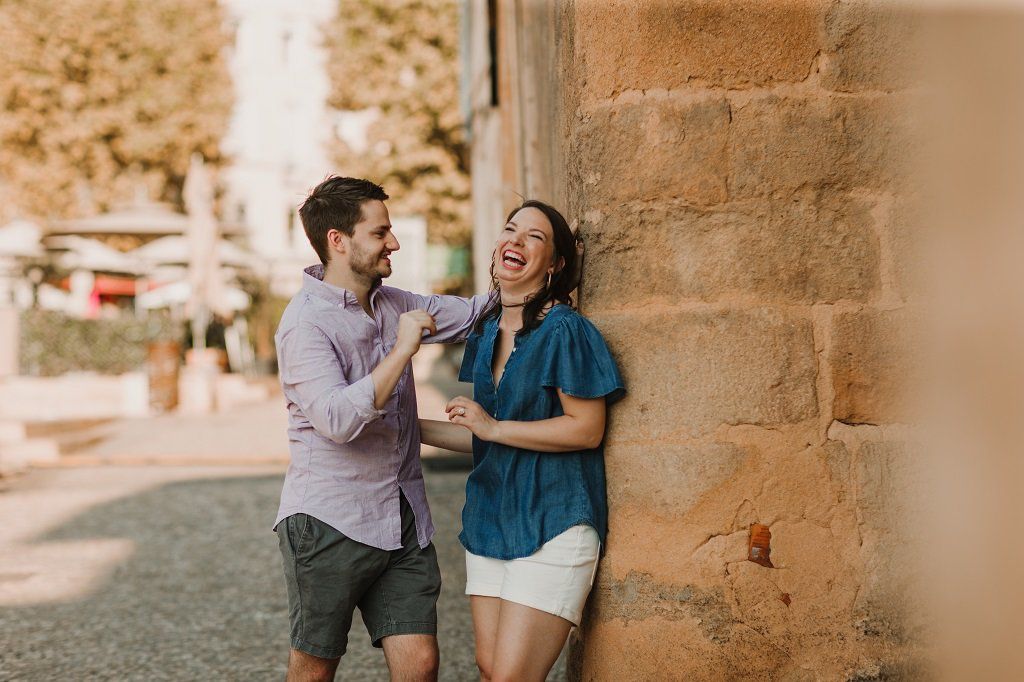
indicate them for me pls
(313, 283)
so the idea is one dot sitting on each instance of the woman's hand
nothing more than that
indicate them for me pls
(465, 412)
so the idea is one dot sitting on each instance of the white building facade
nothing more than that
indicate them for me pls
(281, 127)
(281, 134)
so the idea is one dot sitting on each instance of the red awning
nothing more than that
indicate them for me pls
(114, 286)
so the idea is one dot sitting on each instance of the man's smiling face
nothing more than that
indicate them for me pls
(372, 242)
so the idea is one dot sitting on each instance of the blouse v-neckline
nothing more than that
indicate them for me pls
(516, 339)
(494, 345)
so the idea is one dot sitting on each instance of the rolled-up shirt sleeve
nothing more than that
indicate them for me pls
(453, 315)
(313, 378)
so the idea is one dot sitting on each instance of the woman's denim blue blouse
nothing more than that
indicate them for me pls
(516, 499)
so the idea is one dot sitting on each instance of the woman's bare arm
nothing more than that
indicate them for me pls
(445, 435)
(581, 427)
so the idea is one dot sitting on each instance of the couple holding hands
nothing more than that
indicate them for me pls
(354, 526)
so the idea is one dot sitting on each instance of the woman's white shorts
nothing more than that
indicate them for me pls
(556, 578)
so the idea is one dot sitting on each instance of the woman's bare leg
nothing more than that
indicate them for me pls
(485, 631)
(528, 643)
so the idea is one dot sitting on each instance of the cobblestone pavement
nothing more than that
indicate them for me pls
(172, 573)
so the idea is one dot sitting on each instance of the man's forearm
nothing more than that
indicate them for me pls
(445, 435)
(386, 376)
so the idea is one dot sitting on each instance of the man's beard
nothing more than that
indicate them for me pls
(367, 264)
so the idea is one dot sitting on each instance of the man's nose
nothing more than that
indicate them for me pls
(393, 245)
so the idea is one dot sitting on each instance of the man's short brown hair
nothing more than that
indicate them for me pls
(336, 204)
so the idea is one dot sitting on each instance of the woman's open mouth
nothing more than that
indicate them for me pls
(513, 260)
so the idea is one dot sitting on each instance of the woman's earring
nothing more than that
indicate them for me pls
(549, 280)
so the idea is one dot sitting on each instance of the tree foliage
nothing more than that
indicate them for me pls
(98, 95)
(400, 58)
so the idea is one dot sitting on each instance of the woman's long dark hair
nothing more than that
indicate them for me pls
(562, 281)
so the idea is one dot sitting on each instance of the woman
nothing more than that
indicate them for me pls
(535, 514)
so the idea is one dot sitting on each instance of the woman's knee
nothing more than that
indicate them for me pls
(506, 676)
(484, 663)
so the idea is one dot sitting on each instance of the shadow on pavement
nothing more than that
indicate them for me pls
(202, 596)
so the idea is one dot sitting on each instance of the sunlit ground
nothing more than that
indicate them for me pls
(127, 561)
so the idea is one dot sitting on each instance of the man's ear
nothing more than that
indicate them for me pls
(336, 241)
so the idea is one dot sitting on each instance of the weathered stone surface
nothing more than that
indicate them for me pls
(680, 146)
(817, 568)
(871, 369)
(668, 479)
(696, 545)
(704, 535)
(796, 484)
(633, 531)
(623, 44)
(813, 627)
(778, 145)
(784, 143)
(689, 371)
(837, 459)
(719, 202)
(638, 596)
(661, 649)
(889, 490)
(869, 46)
(811, 249)
(880, 141)
(884, 478)
(904, 236)
(757, 601)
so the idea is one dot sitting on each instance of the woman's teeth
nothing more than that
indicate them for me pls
(513, 260)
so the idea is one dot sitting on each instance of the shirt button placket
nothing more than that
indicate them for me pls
(398, 419)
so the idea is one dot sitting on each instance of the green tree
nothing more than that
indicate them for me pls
(400, 58)
(99, 95)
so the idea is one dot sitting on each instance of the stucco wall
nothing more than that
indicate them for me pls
(737, 171)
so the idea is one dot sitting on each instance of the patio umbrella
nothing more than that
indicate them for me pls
(175, 250)
(142, 217)
(180, 292)
(82, 253)
(20, 239)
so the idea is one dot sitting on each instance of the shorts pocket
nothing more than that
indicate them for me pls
(298, 533)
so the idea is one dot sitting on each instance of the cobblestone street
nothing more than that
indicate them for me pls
(149, 555)
(167, 573)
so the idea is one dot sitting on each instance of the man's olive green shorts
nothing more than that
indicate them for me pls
(328, 575)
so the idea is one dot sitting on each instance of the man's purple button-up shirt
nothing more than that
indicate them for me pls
(348, 459)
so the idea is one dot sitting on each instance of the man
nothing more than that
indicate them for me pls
(353, 525)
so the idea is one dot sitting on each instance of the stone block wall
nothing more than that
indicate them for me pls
(738, 170)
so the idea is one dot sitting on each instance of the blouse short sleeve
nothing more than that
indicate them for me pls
(469, 357)
(580, 363)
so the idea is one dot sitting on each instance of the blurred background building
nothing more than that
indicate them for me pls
(250, 103)
(281, 127)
